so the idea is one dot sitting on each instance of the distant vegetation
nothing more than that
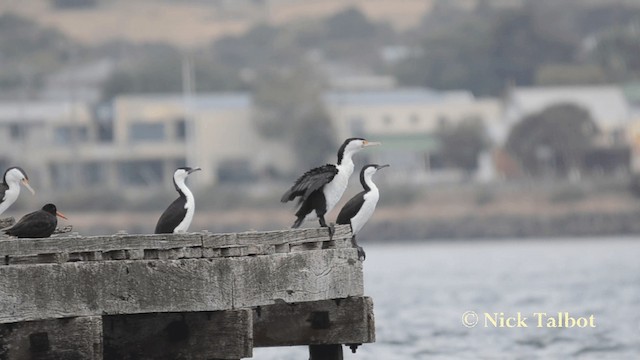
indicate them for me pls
(29, 52)
(486, 50)
(554, 141)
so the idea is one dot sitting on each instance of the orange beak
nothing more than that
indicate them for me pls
(59, 214)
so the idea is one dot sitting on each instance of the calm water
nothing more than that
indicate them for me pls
(421, 291)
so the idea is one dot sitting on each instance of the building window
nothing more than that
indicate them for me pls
(235, 171)
(94, 173)
(414, 119)
(387, 120)
(65, 134)
(17, 131)
(62, 175)
(146, 132)
(141, 172)
(104, 123)
(181, 129)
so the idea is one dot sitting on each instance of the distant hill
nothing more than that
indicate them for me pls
(192, 23)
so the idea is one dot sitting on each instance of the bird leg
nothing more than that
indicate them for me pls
(331, 227)
(361, 254)
(298, 222)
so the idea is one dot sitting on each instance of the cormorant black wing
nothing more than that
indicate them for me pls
(3, 188)
(350, 209)
(309, 182)
(37, 224)
(172, 217)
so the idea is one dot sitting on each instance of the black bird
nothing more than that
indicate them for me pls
(38, 224)
(358, 210)
(177, 217)
(10, 187)
(320, 189)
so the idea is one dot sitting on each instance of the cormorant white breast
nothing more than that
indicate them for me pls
(320, 189)
(358, 210)
(38, 224)
(10, 186)
(178, 216)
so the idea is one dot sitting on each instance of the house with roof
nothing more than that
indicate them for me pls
(406, 121)
(607, 105)
(213, 131)
(37, 135)
(137, 142)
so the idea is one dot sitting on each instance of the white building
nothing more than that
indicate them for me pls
(144, 138)
(406, 120)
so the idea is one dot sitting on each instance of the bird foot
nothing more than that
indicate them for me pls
(332, 230)
(361, 254)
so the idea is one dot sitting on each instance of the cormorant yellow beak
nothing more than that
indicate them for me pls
(25, 182)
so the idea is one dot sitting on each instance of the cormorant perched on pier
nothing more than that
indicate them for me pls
(10, 186)
(319, 189)
(358, 210)
(177, 217)
(38, 224)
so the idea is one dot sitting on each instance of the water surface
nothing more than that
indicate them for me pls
(421, 291)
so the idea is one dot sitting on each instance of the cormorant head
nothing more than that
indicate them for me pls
(181, 173)
(15, 175)
(51, 209)
(352, 146)
(368, 170)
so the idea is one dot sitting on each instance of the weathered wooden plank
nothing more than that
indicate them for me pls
(219, 240)
(295, 277)
(274, 237)
(25, 247)
(189, 336)
(113, 246)
(70, 338)
(6, 222)
(144, 286)
(343, 321)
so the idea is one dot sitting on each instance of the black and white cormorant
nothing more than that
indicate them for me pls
(358, 210)
(320, 189)
(38, 224)
(10, 187)
(177, 217)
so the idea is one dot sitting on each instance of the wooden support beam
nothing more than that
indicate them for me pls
(146, 286)
(325, 352)
(188, 336)
(340, 321)
(69, 338)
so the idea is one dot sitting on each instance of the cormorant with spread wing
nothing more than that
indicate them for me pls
(320, 189)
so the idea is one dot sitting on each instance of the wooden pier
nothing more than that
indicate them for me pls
(191, 296)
